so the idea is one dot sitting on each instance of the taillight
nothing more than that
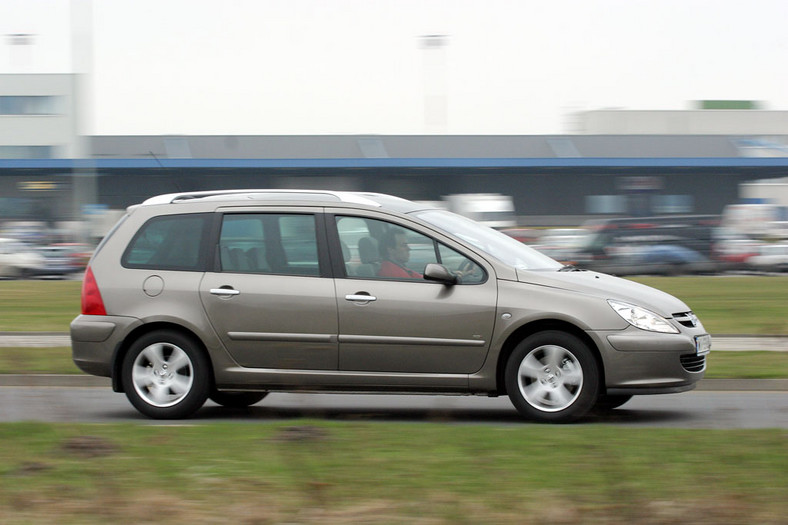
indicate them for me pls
(92, 303)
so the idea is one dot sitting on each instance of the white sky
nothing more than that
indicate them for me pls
(356, 66)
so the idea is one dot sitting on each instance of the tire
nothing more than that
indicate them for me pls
(166, 375)
(552, 376)
(237, 399)
(605, 403)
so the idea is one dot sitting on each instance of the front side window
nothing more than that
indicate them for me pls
(168, 242)
(378, 249)
(269, 243)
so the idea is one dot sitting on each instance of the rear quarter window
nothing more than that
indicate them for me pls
(169, 242)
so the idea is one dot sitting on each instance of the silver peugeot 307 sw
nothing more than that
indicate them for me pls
(229, 295)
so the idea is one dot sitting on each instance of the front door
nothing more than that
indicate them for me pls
(392, 320)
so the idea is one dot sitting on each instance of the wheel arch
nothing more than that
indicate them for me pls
(534, 327)
(123, 348)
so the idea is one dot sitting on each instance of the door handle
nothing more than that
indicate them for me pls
(225, 291)
(360, 298)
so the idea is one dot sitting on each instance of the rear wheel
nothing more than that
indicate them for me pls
(166, 375)
(552, 376)
(237, 399)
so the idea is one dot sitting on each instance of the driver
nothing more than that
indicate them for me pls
(395, 252)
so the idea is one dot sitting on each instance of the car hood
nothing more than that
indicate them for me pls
(606, 287)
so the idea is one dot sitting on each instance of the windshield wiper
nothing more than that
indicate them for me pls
(570, 268)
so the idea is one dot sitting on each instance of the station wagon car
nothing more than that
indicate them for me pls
(230, 295)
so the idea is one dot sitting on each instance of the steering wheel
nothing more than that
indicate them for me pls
(469, 270)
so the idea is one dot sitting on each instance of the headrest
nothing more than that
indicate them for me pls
(368, 250)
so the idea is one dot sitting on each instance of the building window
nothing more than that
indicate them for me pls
(26, 152)
(673, 203)
(30, 105)
(606, 204)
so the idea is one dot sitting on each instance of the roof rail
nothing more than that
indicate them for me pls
(343, 196)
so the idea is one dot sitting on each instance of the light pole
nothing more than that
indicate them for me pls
(21, 47)
(84, 190)
(435, 82)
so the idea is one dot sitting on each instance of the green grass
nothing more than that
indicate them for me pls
(358, 472)
(747, 365)
(732, 304)
(38, 306)
(726, 305)
(351, 472)
(26, 360)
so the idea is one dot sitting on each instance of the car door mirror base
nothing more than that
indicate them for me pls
(439, 273)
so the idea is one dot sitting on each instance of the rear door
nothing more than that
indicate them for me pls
(271, 299)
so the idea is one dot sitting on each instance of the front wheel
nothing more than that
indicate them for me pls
(166, 375)
(552, 376)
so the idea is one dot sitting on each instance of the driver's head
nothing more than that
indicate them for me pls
(395, 246)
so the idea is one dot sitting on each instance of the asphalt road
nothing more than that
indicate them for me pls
(696, 409)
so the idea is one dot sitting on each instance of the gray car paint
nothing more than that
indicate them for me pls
(430, 350)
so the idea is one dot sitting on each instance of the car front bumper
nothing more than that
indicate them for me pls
(640, 362)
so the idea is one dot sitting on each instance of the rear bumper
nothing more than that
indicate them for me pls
(95, 339)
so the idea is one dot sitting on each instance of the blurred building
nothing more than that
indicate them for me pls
(38, 121)
(38, 117)
(739, 120)
(553, 179)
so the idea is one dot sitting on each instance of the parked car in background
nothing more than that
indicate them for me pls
(491, 209)
(527, 236)
(63, 259)
(18, 259)
(756, 220)
(562, 244)
(650, 245)
(229, 295)
(734, 253)
(770, 258)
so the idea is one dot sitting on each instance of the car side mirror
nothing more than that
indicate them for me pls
(439, 273)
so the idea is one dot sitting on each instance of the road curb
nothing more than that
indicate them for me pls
(54, 380)
(85, 381)
(743, 385)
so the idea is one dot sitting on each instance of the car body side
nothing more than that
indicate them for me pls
(632, 361)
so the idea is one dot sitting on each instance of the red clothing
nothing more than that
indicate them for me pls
(391, 269)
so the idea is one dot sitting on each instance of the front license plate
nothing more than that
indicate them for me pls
(702, 344)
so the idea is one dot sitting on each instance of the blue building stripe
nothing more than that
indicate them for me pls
(612, 162)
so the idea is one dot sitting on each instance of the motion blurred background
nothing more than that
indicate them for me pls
(628, 137)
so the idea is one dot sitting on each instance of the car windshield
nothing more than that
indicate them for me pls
(490, 241)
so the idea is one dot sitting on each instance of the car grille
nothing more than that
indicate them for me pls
(693, 363)
(688, 319)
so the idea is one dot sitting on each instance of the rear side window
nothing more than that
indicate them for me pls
(269, 243)
(168, 242)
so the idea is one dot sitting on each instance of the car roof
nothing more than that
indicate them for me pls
(327, 197)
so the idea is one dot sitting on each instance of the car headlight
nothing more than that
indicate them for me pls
(642, 318)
